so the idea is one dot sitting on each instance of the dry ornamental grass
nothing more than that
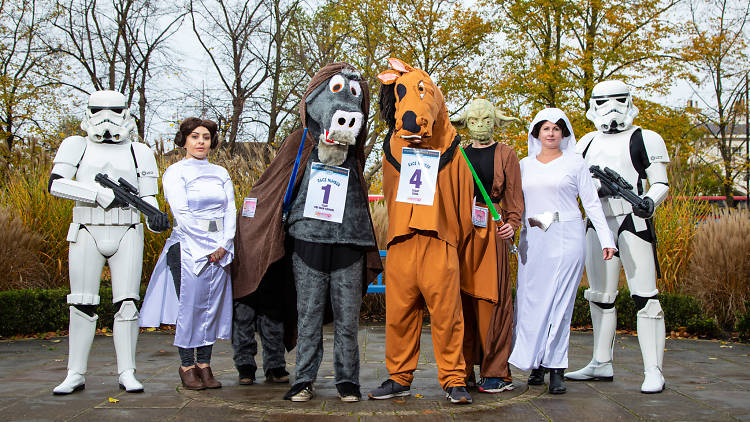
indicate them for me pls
(719, 269)
(20, 267)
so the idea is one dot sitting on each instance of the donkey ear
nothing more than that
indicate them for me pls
(388, 77)
(399, 65)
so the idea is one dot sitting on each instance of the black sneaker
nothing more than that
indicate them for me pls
(458, 395)
(247, 374)
(389, 389)
(349, 392)
(300, 392)
(277, 375)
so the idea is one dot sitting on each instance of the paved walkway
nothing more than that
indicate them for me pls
(706, 380)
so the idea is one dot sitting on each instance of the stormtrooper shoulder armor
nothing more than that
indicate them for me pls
(656, 149)
(69, 155)
(148, 171)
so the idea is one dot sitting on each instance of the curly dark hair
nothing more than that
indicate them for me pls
(560, 123)
(188, 126)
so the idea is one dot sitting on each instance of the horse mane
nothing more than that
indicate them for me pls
(387, 98)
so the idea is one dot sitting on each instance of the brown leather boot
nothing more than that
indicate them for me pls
(190, 379)
(207, 377)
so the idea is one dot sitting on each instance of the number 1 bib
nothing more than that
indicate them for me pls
(326, 193)
(418, 178)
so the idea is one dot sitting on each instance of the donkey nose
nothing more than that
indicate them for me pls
(410, 122)
(346, 120)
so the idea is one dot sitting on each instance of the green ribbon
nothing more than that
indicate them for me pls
(490, 205)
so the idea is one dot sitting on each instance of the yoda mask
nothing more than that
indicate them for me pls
(481, 117)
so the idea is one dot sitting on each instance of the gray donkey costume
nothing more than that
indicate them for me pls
(331, 262)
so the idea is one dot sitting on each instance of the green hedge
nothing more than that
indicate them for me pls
(679, 311)
(37, 311)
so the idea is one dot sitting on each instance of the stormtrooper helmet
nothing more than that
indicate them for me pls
(611, 107)
(108, 119)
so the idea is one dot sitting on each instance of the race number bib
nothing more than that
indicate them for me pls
(418, 179)
(248, 207)
(326, 193)
(479, 215)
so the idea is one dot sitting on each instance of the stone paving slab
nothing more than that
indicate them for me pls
(706, 381)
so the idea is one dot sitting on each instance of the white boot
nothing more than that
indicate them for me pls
(604, 322)
(81, 332)
(651, 334)
(125, 336)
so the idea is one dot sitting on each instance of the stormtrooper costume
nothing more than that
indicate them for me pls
(638, 155)
(104, 229)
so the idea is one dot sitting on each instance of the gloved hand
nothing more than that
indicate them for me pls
(605, 191)
(645, 209)
(158, 223)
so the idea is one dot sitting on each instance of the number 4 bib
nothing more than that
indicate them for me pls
(418, 178)
(326, 193)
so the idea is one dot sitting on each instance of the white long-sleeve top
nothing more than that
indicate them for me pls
(198, 193)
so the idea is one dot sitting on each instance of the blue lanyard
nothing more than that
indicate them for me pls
(287, 205)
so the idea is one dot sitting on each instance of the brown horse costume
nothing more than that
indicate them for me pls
(423, 241)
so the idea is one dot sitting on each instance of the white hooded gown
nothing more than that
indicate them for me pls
(551, 263)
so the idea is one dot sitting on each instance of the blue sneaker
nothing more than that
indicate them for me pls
(495, 385)
(389, 389)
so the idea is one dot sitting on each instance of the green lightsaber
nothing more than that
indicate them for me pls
(495, 216)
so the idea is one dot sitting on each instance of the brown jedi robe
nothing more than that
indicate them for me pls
(260, 241)
(485, 272)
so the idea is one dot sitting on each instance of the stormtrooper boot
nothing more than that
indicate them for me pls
(81, 334)
(604, 322)
(125, 336)
(651, 334)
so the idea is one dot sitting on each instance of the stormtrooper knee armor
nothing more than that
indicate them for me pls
(640, 157)
(103, 229)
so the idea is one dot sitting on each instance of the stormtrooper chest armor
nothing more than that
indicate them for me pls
(116, 161)
(613, 151)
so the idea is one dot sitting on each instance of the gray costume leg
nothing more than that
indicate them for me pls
(243, 335)
(346, 298)
(272, 340)
(312, 290)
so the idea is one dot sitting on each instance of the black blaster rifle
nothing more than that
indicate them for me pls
(615, 184)
(619, 186)
(128, 194)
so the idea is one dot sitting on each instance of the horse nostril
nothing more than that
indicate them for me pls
(342, 121)
(351, 124)
(410, 122)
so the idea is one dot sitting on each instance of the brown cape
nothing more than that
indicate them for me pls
(260, 241)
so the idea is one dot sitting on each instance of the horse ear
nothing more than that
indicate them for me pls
(399, 65)
(389, 76)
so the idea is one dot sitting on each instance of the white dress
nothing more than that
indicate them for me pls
(201, 198)
(551, 263)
